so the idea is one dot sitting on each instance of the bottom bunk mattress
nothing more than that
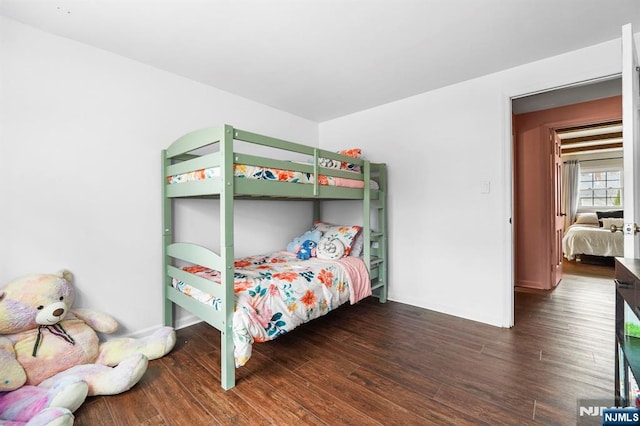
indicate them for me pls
(277, 292)
(591, 240)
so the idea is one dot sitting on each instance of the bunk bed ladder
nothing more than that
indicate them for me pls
(376, 241)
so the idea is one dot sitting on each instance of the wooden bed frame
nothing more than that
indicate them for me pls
(182, 157)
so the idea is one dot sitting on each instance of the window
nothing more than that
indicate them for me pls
(601, 189)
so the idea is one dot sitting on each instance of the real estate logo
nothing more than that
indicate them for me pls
(621, 416)
(591, 411)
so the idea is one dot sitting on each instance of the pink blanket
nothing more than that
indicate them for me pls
(358, 276)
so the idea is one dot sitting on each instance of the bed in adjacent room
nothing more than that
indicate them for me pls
(591, 235)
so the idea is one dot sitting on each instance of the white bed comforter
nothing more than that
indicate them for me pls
(591, 240)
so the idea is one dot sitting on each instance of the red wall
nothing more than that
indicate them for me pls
(533, 212)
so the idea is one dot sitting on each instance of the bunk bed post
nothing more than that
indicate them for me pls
(316, 202)
(382, 229)
(227, 372)
(167, 238)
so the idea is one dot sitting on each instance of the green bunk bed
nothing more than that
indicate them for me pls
(208, 159)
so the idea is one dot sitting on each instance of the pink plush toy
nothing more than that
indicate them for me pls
(33, 404)
(51, 357)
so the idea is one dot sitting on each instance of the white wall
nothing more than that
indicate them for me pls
(80, 140)
(449, 243)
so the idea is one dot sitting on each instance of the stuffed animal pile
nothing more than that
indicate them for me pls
(51, 358)
(314, 244)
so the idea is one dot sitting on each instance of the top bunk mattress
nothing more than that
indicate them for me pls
(264, 173)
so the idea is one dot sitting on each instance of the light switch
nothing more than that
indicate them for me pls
(485, 187)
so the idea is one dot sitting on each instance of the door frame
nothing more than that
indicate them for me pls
(631, 142)
(508, 97)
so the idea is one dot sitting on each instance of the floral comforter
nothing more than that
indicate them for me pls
(275, 293)
(262, 173)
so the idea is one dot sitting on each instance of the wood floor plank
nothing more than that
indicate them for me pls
(407, 398)
(223, 407)
(419, 378)
(94, 412)
(482, 409)
(171, 396)
(328, 407)
(131, 407)
(274, 405)
(363, 399)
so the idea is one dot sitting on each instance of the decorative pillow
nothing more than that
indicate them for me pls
(354, 153)
(329, 163)
(346, 234)
(618, 214)
(608, 221)
(335, 164)
(587, 218)
(330, 248)
(358, 246)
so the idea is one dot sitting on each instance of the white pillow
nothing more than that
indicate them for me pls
(357, 246)
(587, 218)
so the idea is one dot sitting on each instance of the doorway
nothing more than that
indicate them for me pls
(544, 125)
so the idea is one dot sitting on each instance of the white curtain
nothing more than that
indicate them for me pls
(570, 188)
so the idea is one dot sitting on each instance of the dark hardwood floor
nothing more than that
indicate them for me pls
(373, 363)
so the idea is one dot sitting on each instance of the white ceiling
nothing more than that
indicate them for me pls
(322, 59)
